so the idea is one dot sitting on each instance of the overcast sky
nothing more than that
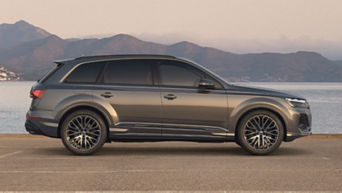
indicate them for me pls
(207, 21)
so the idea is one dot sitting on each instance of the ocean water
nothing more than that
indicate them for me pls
(14, 103)
(325, 100)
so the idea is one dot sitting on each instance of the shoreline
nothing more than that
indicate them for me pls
(24, 135)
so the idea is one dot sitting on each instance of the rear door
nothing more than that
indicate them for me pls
(128, 86)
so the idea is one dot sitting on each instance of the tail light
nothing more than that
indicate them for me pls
(36, 94)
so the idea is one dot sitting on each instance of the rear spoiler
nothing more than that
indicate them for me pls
(63, 61)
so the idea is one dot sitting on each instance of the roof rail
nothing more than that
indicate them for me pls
(123, 56)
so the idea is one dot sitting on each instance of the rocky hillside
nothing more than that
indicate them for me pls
(14, 34)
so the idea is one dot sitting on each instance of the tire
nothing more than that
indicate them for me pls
(260, 132)
(83, 132)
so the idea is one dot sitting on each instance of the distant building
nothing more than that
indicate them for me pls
(6, 75)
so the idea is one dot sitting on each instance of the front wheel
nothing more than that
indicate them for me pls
(260, 132)
(83, 132)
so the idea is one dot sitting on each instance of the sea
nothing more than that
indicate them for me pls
(325, 100)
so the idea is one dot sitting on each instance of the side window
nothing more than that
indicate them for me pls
(128, 72)
(177, 74)
(85, 73)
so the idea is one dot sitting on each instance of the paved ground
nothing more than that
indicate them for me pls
(42, 164)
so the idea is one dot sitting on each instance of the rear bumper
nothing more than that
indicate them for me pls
(41, 126)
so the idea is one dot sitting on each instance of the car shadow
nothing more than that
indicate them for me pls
(173, 151)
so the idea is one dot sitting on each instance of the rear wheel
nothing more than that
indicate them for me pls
(83, 132)
(260, 132)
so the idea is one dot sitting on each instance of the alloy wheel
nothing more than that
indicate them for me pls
(83, 132)
(261, 132)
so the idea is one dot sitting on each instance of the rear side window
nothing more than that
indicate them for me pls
(128, 72)
(85, 73)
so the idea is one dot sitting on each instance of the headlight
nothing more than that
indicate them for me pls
(301, 103)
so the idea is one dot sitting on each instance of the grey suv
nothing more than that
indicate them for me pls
(88, 101)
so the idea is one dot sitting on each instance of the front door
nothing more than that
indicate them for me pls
(187, 110)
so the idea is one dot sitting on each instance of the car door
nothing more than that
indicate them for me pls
(128, 86)
(187, 110)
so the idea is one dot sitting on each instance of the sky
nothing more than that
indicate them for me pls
(236, 25)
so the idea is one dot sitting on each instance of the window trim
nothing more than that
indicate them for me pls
(155, 71)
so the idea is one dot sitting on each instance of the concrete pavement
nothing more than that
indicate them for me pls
(30, 163)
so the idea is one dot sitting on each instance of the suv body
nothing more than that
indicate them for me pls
(158, 98)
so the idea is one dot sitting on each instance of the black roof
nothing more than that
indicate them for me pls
(127, 56)
(124, 56)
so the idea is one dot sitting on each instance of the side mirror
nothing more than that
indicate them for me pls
(206, 83)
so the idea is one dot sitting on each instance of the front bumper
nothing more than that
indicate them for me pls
(37, 125)
(300, 124)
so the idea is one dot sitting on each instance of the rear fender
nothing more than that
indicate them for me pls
(84, 100)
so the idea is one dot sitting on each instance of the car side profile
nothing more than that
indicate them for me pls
(89, 101)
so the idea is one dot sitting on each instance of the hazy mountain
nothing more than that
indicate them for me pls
(328, 48)
(14, 34)
(299, 66)
(35, 57)
(119, 44)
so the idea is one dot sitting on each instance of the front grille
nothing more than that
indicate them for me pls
(304, 124)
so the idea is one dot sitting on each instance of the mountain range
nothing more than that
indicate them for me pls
(30, 50)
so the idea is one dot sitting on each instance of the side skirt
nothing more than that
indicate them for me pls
(121, 137)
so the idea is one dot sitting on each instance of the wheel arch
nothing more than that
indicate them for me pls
(72, 109)
(278, 114)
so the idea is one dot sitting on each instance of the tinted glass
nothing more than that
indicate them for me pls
(85, 73)
(178, 74)
(50, 73)
(131, 72)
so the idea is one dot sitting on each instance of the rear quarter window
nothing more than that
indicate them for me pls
(50, 73)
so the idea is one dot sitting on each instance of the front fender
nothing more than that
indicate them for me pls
(239, 106)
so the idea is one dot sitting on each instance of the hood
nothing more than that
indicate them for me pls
(260, 91)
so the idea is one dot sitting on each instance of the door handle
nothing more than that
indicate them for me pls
(107, 94)
(170, 96)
